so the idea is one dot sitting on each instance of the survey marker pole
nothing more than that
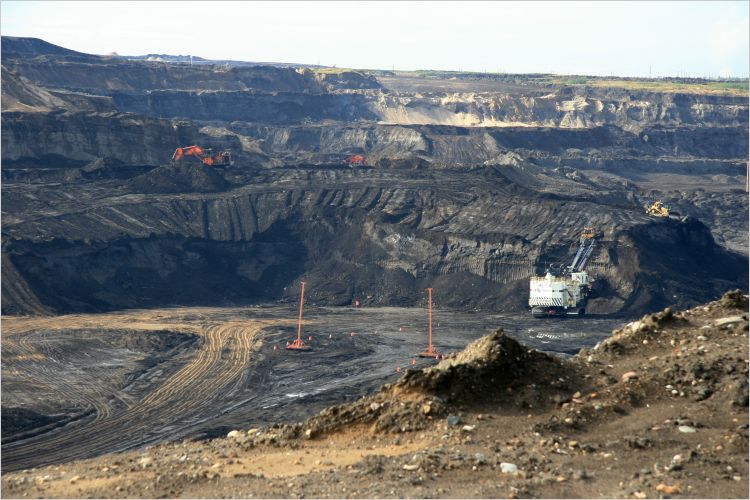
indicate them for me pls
(429, 299)
(298, 344)
(299, 321)
(430, 352)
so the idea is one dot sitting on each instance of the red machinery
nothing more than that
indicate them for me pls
(221, 159)
(356, 160)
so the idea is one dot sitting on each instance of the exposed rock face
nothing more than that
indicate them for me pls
(57, 139)
(101, 75)
(347, 80)
(19, 94)
(276, 107)
(565, 108)
(17, 297)
(451, 194)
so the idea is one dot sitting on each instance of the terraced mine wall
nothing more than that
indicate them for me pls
(86, 136)
(380, 244)
(468, 192)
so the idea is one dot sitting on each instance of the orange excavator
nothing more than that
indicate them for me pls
(356, 160)
(205, 156)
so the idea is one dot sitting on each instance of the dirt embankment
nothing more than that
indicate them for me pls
(658, 409)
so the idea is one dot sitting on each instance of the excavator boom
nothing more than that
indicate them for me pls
(203, 155)
(586, 248)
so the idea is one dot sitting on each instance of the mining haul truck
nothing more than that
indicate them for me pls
(563, 292)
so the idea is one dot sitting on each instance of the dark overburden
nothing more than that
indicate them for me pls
(465, 190)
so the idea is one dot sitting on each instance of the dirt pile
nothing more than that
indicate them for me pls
(697, 368)
(493, 364)
(180, 177)
(490, 368)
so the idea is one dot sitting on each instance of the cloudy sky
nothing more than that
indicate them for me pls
(594, 38)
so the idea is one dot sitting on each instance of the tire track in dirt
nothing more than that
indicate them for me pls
(83, 389)
(221, 364)
(32, 363)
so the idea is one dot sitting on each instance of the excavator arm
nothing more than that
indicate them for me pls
(196, 151)
(203, 155)
(585, 249)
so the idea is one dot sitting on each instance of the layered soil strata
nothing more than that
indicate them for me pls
(471, 183)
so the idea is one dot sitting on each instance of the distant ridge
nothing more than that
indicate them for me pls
(35, 46)
(15, 46)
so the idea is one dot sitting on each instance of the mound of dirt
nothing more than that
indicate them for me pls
(734, 300)
(489, 369)
(491, 362)
(696, 368)
(181, 177)
(496, 370)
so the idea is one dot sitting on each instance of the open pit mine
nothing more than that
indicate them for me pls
(158, 218)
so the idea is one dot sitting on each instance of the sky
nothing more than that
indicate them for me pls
(633, 38)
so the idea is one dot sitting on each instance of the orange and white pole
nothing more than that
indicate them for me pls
(299, 322)
(430, 352)
(429, 293)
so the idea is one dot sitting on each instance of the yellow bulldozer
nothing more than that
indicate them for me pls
(658, 209)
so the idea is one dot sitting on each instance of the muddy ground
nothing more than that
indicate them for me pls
(660, 409)
(142, 377)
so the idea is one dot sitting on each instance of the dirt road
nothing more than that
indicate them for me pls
(217, 369)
